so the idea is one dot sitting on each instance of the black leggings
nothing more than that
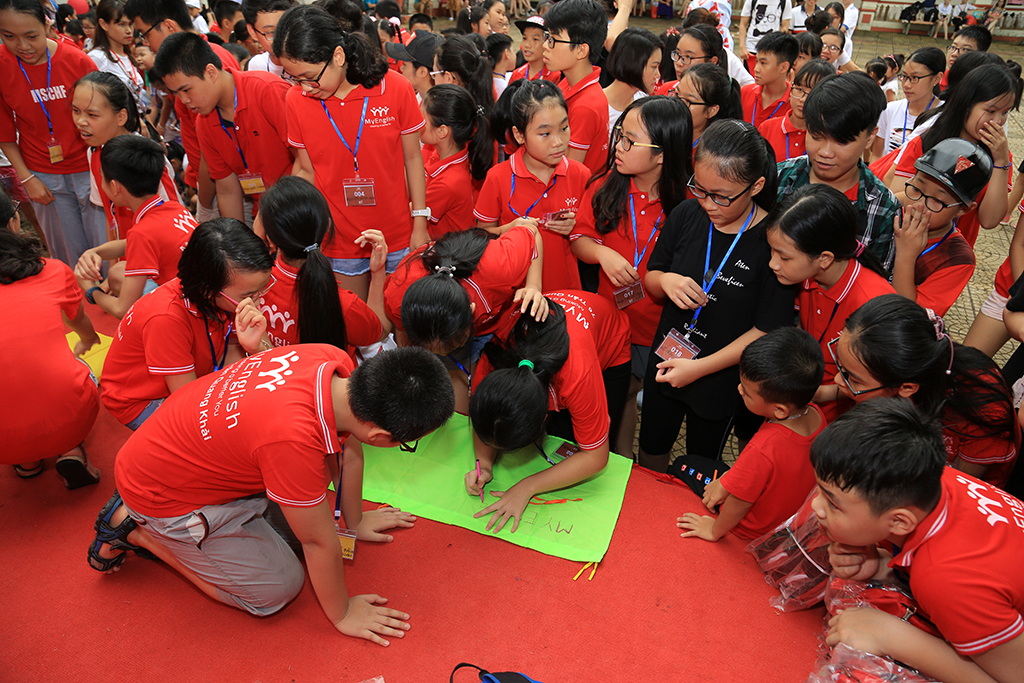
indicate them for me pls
(662, 417)
(616, 384)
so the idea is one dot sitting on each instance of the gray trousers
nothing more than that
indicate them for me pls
(70, 223)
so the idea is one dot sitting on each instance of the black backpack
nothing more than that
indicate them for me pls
(487, 677)
(910, 13)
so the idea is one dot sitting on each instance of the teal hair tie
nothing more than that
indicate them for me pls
(527, 363)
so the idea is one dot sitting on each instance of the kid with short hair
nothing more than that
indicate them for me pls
(787, 134)
(768, 96)
(132, 168)
(838, 135)
(532, 47)
(576, 31)
(779, 374)
(882, 481)
(261, 17)
(499, 47)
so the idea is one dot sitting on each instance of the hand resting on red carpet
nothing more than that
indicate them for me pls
(375, 521)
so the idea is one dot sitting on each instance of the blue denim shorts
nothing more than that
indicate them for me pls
(360, 266)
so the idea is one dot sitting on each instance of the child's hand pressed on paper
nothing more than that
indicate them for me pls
(375, 521)
(512, 504)
(714, 495)
(475, 485)
(679, 372)
(366, 618)
(697, 525)
(912, 232)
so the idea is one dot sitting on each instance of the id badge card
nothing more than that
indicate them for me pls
(567, 450)
(359, 192)
(56, 150)
(628, 295)
(252, 183)
(347, 538)
(676, 345)
(554, 216)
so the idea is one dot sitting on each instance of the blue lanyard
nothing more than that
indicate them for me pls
(907, 111)
(695, 144)
(337, 490)
(49, 122)
(753, 116)
(638, 256)
(939, 243)
(359, 135)
(213, 351)
(513, 192)
(227, 129)
(707, 285)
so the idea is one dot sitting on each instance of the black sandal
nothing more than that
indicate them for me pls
(115, 536)
(75, 470)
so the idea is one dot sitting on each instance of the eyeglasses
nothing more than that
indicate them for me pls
(933, 204)
(831, 48)
(311, 82)
(688, 103)
(146, 33)
(799, 93)
(550, 40)
(842, 371)
(686, 59)
(435, 74)
(957, 50)
(255, 296)
(406, 448)
(269, 35)
(627, 144)
(700, 193)
(913, 80)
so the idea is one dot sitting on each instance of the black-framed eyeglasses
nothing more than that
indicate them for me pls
(957, 50)
(145, 33)
(799, 93)
(311, 82)
(677, 56)
(550, 40)
(842, 371)
(407, 448)
(933, 204)
(627, 144)
(832, 48)
(701, 193)
(912, 80)
(269, 35)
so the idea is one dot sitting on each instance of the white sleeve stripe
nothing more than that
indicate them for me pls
(414, 128)
(183, 370)
(293, 143)
(142, 271)
(576, 145)
(485, 219)
(296, 503)
(987, 643)
(590, 447)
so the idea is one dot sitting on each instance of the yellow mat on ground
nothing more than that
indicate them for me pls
(94, 356)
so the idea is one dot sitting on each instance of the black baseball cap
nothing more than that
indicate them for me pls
(963, 167)
(420, 49)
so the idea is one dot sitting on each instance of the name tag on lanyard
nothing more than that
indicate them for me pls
(56, 150)
(359, 192)
(252, 183)
(676, 345)
(628, 295)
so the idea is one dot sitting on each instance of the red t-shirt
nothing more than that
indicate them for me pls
(260, 130)
(787, 140)
(823, 313)
(588, 119)
(22, 116)
(281, 309)
(598, 340)
(970, 443)
(120, 219)
(964, 561)
(644, 314)
(49, 402)
(532, 198)
(545, 73)
(450, 204)
(942, 273)
(187, 120)
(262, 425)
(161, 335)
(754, 110)
(391, 112)
(499, 274)
(161, 231)
(774, 473)
(666, 88)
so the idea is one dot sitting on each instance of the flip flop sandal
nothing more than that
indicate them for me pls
(115, 536)
(29, 472)
(76, 472)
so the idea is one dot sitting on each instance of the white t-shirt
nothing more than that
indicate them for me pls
(125, 69)
(261, 62)
(720, 9)
(892, 86)
(944, 9)
(799, 21)
(614, 114)
(765, 16)
(500, 83)
(895, 125)
(850, 19)
(737, 70)
(199, 24)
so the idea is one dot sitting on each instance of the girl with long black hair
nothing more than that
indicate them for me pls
(461, 60)
(710, 94)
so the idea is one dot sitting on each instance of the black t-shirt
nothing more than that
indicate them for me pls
(746, 294)
(1016, 301)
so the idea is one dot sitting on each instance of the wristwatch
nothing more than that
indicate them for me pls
(416, 213)
(89, 294)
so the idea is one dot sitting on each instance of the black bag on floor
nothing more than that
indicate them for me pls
(487, 677)
(910, 13)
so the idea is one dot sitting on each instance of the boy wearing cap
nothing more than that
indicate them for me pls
(933, 260)
(532, 48)
(416, 59)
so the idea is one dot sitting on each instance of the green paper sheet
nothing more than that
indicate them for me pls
(429, 483)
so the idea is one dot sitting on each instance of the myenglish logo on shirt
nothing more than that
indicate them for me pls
(279, 320)
(277, 376)
(57, 92)
(992, 507)
(379, 117)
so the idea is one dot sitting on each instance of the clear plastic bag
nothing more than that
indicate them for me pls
(794, 559)
(848, 665)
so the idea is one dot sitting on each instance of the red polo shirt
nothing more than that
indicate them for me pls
(161, 231)
(161, 335)
(964, 561)
(535, 199)
(823, 312)
(262, 425)
(120, 219)
(598, 340)
(260, 130)
(644, 314)
(449, 198)
(545, 73)
(588, 119)
(942, 273)
(391, 112)
(499, 274)
(22, 116)
(281, 309)
(787, 140)
(187, 120)
(754, 110)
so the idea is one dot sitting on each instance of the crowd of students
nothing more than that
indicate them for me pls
(619, 213)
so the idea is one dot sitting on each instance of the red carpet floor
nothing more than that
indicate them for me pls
(660, 608)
